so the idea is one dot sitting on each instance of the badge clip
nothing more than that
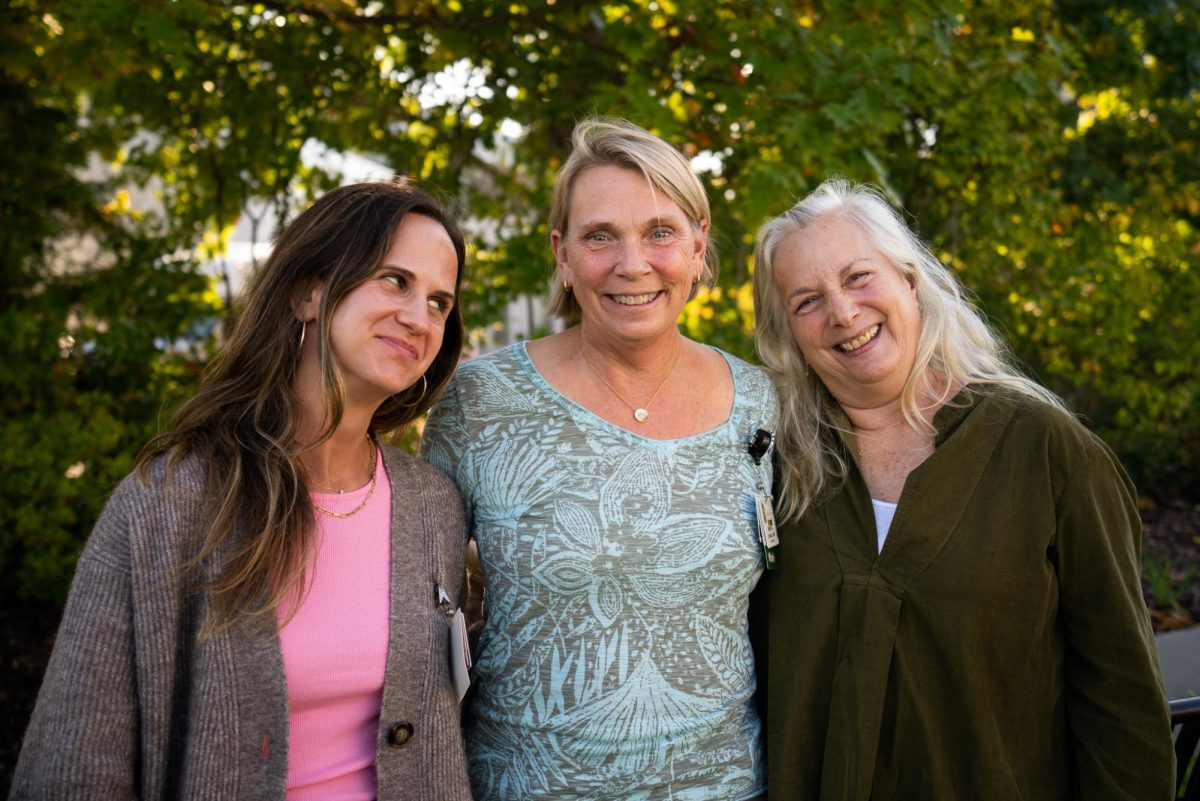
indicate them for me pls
(760, 444)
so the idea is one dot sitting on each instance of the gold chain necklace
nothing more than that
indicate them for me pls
(640, 413)
(370, 490)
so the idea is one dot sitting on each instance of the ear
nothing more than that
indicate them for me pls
(559, 246)
(307, 303)
(701, 248)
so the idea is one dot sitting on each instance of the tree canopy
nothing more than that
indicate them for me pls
(1048, 150)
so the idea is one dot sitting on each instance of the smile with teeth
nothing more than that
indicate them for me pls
(634, 300)
(851, 345)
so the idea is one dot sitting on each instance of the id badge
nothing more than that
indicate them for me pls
(767, 533)
(460, 654)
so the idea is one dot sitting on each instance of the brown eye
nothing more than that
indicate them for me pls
(807, 304)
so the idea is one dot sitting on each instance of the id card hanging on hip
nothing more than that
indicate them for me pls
(460, 654)
(766, 528)
(460, 648)
(761, 443)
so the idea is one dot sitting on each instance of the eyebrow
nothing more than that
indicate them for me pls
(440, 294)
(652, 222)
(847, 267)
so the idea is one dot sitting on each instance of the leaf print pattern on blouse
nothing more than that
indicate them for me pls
(614, 662)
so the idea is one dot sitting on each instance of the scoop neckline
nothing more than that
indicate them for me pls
(576, 408)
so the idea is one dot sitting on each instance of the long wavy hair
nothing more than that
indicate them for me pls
(243, 421)
(957, 349)
(614, 142)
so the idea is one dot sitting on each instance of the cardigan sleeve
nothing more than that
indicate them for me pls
(82, 738)
(1116, 707)
(446, 504)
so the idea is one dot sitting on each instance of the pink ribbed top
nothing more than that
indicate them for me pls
(335, 650)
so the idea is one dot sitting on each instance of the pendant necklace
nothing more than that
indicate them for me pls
(640, 413)
(370, 491)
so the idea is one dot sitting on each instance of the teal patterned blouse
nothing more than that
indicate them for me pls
(615, 661)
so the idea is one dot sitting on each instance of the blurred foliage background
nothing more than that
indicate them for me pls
(1049, 150)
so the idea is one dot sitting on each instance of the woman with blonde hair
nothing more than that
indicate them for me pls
(608, 486)
(957, 611)
(261, 610)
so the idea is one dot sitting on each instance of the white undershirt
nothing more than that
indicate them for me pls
(884, 512)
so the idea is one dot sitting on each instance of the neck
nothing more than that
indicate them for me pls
(870, 419)
(882, 416)
(643, 359)
(635, 378)
(341, 461)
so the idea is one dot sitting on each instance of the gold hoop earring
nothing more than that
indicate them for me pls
(424, 389)
(303, 329)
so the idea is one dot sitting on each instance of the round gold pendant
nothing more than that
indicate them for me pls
(640, 415)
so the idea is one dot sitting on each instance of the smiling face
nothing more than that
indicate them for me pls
(853, 314)
(386, 331)
(630, 255)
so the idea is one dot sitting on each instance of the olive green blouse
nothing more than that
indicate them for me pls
(998, 647)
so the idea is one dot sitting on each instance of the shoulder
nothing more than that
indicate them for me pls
(483, 378)
(494, 386)
(1036, 427)
(151, 509)
(421, 489)
(752, 385)
(1033, 417)
(747, 375)
(407, 474)
(406, 470)
(164, 477)
(164, 486)
(489, 366)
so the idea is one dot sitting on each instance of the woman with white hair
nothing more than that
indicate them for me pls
(957, 611)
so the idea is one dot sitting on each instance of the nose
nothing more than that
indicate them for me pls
(413, 314)
(631, 258)
(843, 310)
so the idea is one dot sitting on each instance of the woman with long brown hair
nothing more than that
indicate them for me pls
(261, 610)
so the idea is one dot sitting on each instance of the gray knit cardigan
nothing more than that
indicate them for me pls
(133, 706)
